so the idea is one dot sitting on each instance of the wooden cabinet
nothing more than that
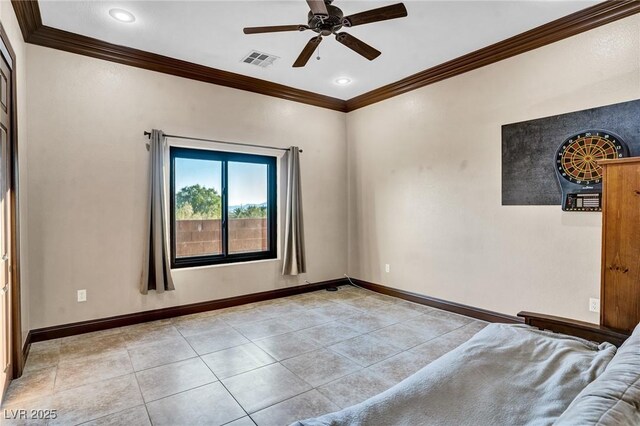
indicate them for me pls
(620, 291)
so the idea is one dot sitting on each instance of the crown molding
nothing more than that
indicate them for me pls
(567, 26)
(28, 15)
(35, 32)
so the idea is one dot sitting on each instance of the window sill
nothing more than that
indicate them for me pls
(223, 265)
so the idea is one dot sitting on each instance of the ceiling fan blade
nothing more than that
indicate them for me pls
(274, 29)
(318, 7)
(358, 46)
(306, 53)
(375, 15)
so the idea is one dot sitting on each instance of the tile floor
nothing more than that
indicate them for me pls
(267, 363)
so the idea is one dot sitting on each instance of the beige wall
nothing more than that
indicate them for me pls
(425, 181)
(10, 24)
(88, 180)
(421, 172)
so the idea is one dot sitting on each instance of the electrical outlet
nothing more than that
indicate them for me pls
(82, 295)
(386, 267)
(594, 305)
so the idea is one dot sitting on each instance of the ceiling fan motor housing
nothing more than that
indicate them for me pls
(326, 25)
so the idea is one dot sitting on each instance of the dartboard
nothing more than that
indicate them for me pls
(578, 156)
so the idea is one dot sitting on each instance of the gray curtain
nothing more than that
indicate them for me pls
(156, 270)
(294, 259)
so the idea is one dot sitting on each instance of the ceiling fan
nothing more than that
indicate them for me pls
(326, 19)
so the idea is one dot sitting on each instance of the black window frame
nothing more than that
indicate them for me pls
(272, 201)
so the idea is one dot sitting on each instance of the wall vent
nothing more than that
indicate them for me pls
(260, 59)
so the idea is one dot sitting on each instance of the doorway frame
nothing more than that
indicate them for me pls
(17, 357)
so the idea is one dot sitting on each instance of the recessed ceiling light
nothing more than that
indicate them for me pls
(122, 15)
(342, 81)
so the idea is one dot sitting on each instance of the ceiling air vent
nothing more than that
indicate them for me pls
(259, 58)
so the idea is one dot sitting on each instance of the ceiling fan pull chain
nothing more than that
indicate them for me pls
(318, 57)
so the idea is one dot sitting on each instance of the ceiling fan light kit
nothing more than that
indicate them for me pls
(326, 19)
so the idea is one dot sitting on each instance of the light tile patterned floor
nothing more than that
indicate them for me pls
(267, 363)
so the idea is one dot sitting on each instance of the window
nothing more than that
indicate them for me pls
(223, 207)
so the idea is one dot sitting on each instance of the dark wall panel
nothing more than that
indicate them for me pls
(529, 148)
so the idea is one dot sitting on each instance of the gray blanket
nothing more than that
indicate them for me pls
(504, 375)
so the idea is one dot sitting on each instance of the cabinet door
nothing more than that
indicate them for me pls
(621, 246)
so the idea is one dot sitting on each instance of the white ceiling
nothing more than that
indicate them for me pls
(210, 33)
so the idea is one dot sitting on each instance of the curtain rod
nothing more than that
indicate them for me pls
(148, 135)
